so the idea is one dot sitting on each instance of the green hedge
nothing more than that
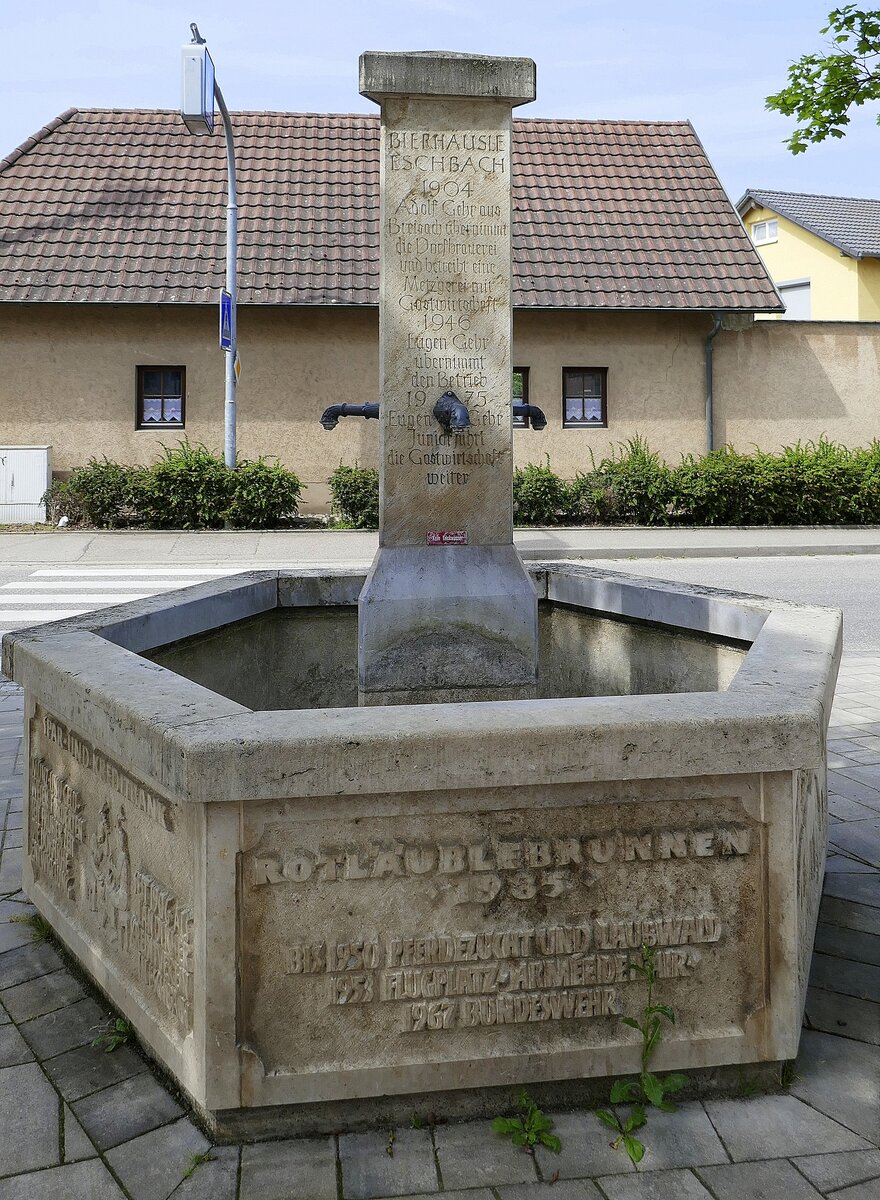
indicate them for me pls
(817, 483)
(355, 496)
(188, 488)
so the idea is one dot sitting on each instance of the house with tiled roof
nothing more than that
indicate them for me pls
(823, 252)
(628, 259)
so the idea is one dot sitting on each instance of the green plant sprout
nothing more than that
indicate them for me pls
(650, 1088)
(116, 1034)
(196, 1161)
(530, 1128)
(40, 927)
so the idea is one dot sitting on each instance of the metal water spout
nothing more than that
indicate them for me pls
(330, 416)
(451, 413)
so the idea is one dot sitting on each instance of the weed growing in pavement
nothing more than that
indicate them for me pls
(196, 1161)
(116, 1034)
(788, 1076)
(40, 927)
(649, 1088)
(531, 1128)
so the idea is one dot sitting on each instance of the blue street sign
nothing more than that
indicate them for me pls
(225, 320)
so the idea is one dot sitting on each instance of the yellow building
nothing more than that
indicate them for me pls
(822, 252)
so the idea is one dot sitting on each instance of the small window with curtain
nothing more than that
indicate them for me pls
(520, 394)
(161, 398)
(584, 397)
(764, 232)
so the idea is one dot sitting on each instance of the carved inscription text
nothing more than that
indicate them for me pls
(129, 789)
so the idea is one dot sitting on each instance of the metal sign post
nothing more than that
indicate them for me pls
(199, 91)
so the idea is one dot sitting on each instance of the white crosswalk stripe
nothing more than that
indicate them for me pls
(53, 593)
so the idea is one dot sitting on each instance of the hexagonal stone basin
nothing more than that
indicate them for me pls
(316, 914)
(293, 658)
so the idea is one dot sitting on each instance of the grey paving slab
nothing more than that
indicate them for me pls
(758, 1181)
(151, 1166)
(680, 1139)
(846, 809)
(12, 839)
(841, 1078)
(28, 1119)
(862, 888)
(15, 908)
(563, 1189)
(472, 1154)
(88, 1069)
(369, 1171)
(13, 935)
(848, 943)
(840, 784)
(58, 1031)
(125, 1111)
(861, 838)
(76, 1181)
(869, 1190)
(42, 995)
(842, 975)
(849, 915)
(216, 1179)
(846, 1016)
(13, 1048)
(4, 1016)
(585, 1149)
(27, 962)
(10, 871)
(77, 1145)
(280, 1170)
(830, 1171)
(776, 1127)
(662, 1185)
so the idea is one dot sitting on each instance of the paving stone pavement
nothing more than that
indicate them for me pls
(79, 1124)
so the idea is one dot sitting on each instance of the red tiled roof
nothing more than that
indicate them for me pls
(106, 206)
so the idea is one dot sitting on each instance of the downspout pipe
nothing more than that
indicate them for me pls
(710, 384)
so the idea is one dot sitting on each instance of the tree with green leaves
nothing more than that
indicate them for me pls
(823, 88)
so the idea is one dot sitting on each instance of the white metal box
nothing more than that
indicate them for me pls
(25, 474)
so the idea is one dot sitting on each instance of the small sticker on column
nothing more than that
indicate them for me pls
(447, 537)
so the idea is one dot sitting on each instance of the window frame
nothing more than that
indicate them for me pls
(140, 423)
(521, 422)
(602, 372)
(767, 222)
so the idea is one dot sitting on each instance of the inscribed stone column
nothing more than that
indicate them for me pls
(448, 611)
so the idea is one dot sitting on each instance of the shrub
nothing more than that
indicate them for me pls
(60, 502)
(264, 495)
(355, 493)
(540, 497)
(102, 493)
(188, 488)
(637, 484)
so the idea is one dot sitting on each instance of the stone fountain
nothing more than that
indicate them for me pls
(336, 845)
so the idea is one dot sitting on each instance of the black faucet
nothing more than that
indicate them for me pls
(330, 416)
(451, 413)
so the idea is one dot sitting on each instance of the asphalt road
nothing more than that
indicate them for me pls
(847, 581)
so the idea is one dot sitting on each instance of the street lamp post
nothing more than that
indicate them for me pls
(199, 91)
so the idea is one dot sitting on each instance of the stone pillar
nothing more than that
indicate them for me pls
(448, 611)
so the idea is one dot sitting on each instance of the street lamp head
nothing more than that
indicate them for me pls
(197, 86)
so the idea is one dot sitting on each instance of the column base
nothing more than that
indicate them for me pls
(447, 624)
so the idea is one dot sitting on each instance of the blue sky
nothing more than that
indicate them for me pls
(708, 61)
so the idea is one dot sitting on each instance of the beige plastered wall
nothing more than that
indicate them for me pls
(785, 381)
(68, 381)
